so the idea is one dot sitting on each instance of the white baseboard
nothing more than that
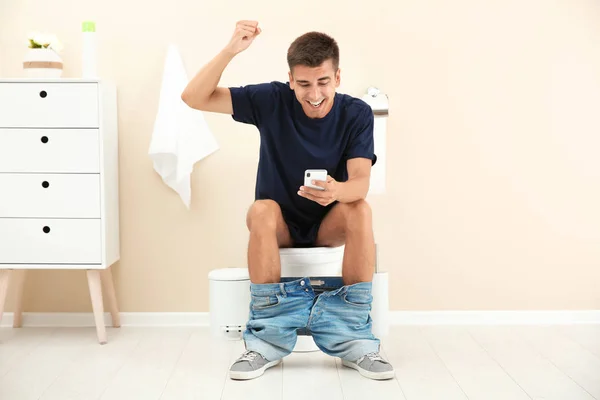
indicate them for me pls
(140, 319)
(484, 317)
(127, 319)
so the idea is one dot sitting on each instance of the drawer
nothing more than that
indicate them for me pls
(50, 195)
(49, 150)
(49, 105)
(50, 241)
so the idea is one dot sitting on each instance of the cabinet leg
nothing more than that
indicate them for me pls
(19, 278)
(4, 278)
(95, 284)
(111, 297)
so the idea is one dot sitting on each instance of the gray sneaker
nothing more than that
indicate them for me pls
(371, 366)
(250, 365)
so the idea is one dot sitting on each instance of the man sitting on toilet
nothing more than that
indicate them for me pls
(303, 124)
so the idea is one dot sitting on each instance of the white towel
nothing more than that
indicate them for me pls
(181, 136)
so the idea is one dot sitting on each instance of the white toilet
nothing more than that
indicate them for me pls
(229, 291)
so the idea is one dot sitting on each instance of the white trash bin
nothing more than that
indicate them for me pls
(229, 302)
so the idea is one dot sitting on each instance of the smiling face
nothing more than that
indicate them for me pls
(315, 87)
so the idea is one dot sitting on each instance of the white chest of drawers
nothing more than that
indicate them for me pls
(59, 180)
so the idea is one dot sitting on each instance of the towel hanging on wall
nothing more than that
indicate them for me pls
(181, 136)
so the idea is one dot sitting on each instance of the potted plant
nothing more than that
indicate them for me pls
(42, 59)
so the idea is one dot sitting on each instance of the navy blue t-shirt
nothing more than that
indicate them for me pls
(291, 142)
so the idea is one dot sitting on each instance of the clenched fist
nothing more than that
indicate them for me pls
(244, 34)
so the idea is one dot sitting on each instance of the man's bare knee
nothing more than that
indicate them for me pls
(358, 214)
(263, 214)
(360, 209)
(344, 218)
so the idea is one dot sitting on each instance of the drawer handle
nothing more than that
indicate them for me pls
(43, 94)
(46, 229)
(44, 139)
(45, 184)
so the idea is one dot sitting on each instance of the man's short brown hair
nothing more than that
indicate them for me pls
(312, 49)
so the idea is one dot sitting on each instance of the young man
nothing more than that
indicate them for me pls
(303, 125)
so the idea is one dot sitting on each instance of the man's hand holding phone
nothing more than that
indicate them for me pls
(319, 187)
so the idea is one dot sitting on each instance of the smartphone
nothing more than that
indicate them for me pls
(315, 174)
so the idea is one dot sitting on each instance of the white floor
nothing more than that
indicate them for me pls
(431, 362)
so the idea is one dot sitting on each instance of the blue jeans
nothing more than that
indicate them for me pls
(338, 320)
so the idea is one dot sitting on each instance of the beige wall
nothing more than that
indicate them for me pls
(493, 172)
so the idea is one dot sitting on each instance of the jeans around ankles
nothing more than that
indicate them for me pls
(338, 320)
